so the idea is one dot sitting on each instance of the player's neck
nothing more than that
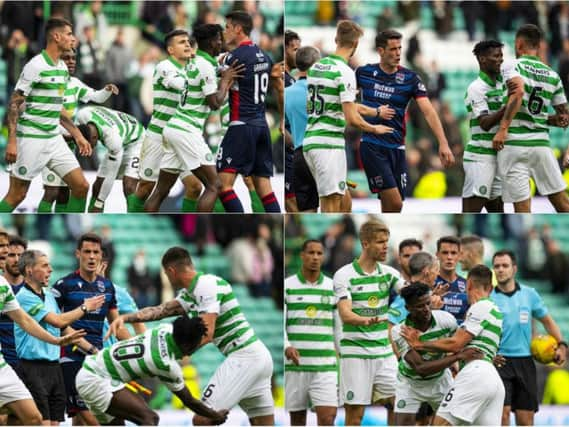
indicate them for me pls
(422, 324)
(89, 276)
(368, 264)
(344, 52)
(507, 287)
(490, 74)
(528, 52)
(181, 61)
(53, 52)
(242, 39)
(310, 276)
(476, 295)
(449, 276)
(13, 280)
(35, 286)
(386, 68)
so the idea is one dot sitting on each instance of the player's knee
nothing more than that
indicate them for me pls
(326, 420)
(150, 418)
(34, 418)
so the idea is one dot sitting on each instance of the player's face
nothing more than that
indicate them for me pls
(391, 55)
(180, 48)
(430, 273)
(64, 38)
(290, 53)
(420, 309)
(90, 256)
(504, 268)
(404, 257)
(377, 247)
(448, 256)
(3, 251)
(466, 256)
(41, 271)
(312, 256)
(494, 60)
(217, 44)
(69, 58)
(12, 258)
(231, 31)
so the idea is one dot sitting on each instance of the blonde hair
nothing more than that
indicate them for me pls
(348, 33)
(370, 228)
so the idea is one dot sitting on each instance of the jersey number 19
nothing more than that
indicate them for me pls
(261, 86)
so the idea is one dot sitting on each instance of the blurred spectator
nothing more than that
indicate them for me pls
(18, 51)
(564, 66)
(339, 243)
(534, 256)
(558, 20)
(436, 83)
(142, 284)
(118, 60)
(557, 267)
(92, 16)
(385, 19)
(23, 15)
(91, 59)
(413, 49)
(443, 17)
(139, 70)
(108, 248)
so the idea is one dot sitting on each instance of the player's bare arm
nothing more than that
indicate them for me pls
(234, 71)
(277, 83)
(513, 105)
(553, 329)
(561, 118)
(121, 333)
(429, 367)
(384, 112)
(449, 345)
(16, 101)
(83, 345)
(488, 121)
(432, 119)
(85, 148)
(200, 408)
(351, 318)
(353, 118)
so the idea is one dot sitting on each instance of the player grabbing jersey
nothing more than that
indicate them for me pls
(384, 85)
(477, 395)
(244, 377)
(34, 140)
(122, 135)
(331, 105)
(522, 140)
(55, 188)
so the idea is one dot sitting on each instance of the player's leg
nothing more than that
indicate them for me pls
(265, 192)
(165, 182)
(331, 203)
(17, 398)
(402, 419)
(256, 203)
(560, 201)
(150, 157)
(262, 169)
(391, 200)
(208, 176)
(549, 181)
(354, 414)
(95, 190)
(129, 185)
(384, 385)
(329, 169)
(495, 205)
(129, 170)
(473, 204)
(323, 391)
(440, 421)
(51, 183)
(525, 401)
(298, 418)
(76, 404)
(290, 194)
(326, 415)
(513, 169)
(126, 405)
(26, 411)
(17, 191)
(346, 203)
(356, 387)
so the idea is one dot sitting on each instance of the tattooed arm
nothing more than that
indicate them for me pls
(167, 309)
(16, 101)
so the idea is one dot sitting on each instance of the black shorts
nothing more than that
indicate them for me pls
(304, 184)
(385, 168)
(246, 150)
(74, 402)
(289, 173)
(520, 381)
(44, 380)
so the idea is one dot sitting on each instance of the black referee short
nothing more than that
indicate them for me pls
(520, 380)
(44, 380)
(304, 184)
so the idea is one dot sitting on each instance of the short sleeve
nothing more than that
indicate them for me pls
(184, 299)
(448, 321)
(209, 82)
(341, 286)
(474, 318)
(419, 89)
(32, 305)
(113, 301)
(538, 308)
(401, 345)
(29, 76)
(477, 101)
(347, 85)
(174, 380)
(559, 97)
(58, 291)
(205, 294)
(8, 301)
(509, 70)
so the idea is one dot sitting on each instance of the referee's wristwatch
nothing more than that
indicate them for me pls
(84, 308)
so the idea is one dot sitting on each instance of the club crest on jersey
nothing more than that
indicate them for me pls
(325, 299)
(100, 286)
(462, 286)
(399, 77)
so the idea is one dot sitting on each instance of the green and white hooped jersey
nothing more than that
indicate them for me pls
(483, 97)
(115, 127)
(8, 302)
(443, 325)
(153, 354)
(201, 81)
(211, 294)
(484, 321)
(330, 83)
(43, 84)
(542, 89)
(310, 311)
(165, 96)
(369, 294)
(77, 91)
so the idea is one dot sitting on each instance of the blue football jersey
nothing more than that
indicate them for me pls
(70, 292)
(395, 90)
(7, 342)
(455, 301)
(248, 93)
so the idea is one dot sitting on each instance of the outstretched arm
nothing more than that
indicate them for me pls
(444, 345)
(200, 408)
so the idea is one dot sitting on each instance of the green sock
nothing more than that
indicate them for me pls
(76, 205)
(44, 207)
(256, 204)
(6, 207)
(60, 207)
(218, 207)
(134, 203)
(189, 205)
